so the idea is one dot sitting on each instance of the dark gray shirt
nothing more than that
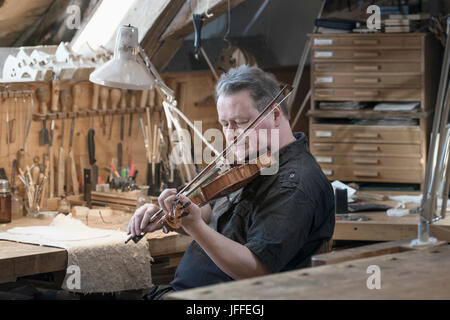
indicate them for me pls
(283, 219)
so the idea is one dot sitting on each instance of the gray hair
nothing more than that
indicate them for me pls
(262, 86)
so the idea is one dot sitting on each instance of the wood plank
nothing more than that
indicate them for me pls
(362, 252)
(381, 227)
(421, 274)
(20, 259)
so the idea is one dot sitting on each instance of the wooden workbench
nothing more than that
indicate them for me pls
(417, 274)
(20, 259)
(382, 227)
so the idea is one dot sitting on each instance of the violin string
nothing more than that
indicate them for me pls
(257, 121)
(213, 163)
(239, 138)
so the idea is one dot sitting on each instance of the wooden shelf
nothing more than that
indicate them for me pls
(85, 114)
(367, 114)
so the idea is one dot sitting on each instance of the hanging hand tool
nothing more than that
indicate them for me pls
(123, 106)
(43, 199)
(94, 169)
(104, 94)
(55, 97)
(8, 130)
(76, 93)
(42, 96)
(147, 152)
(51, 165)
(13, 175)
(27, 120)
(12, 123)
(119, 156)
(115, 98)
(66, 104)
(197, 19)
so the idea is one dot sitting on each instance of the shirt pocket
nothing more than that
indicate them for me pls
(289, 179)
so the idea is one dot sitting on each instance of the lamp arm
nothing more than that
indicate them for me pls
(167, 93)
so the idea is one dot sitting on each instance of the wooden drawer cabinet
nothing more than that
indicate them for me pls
(355, 133)
(365, 94)
(362, 41)
(327, 80)
(384, 174)
(367, 67)
(366, 54)
(373, 149)
(372, 68)
(369, 161)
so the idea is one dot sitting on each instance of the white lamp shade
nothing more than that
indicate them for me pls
(124, 71)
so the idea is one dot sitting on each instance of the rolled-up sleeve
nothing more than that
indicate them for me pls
(280, 227)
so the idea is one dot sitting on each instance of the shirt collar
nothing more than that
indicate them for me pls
(293, 149)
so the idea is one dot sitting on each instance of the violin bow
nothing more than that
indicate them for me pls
(202, 174)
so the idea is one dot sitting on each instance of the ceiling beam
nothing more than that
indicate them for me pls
(170, 40)
(51, 27)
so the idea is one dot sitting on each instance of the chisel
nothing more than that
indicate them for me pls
(115, 98)
(42, 96)
(76, 92)
(104, 94)
(66, 103)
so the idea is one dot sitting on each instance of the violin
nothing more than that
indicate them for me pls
(209, 184)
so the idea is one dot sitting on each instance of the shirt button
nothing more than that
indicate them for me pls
(292, 175)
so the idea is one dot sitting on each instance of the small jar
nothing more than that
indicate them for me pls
(143, 197)
(17, 205)
(5, 201)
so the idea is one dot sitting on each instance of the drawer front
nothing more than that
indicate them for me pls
(382, 174)
(366, 149)
(369, 162)
(367, 41)
(330, 80)
(362, 94)
(367, 54)
(378, 134)
(366, 67)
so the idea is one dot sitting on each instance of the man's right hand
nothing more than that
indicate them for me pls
(140, 219)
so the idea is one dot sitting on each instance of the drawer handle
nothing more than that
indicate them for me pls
(325, 67)
(324, 80)
(364, 54)
(366, 93)
(366, 135)
(324, 93)
(366, 68)
(365, 148)
(323, 42)
(323, 54)
(324, 159)
(366, 80)
(327, 172)
(365, 161)
(365, 173)
(323, 147)
(323, 134)
(366, 41)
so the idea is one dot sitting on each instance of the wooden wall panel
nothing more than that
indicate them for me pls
(194, 92)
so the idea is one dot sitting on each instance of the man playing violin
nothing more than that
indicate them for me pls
(273, 224)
